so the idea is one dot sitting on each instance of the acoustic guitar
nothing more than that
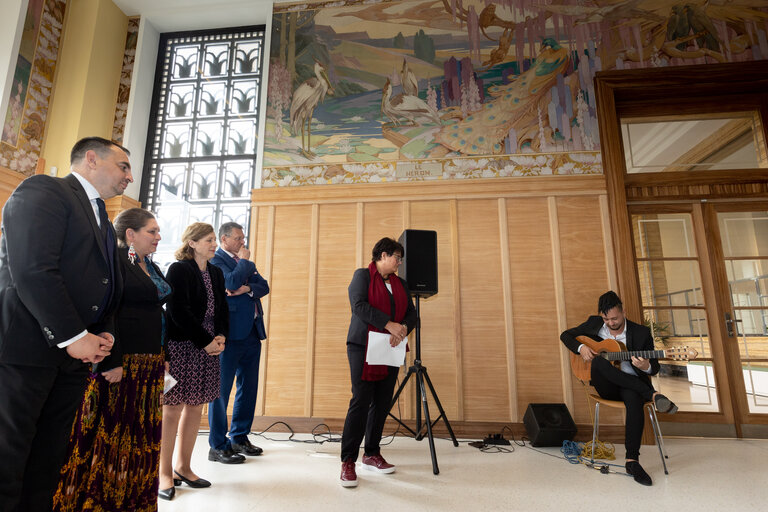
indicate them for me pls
(613, 350)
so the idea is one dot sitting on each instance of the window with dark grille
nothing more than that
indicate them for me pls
(201, 147)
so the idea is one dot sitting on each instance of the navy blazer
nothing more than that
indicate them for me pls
(243, 307)
(186, 307)
(638, 338)
(54, 271)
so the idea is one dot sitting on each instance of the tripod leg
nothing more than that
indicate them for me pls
(427, 421)
(411, 371)
(440, 407)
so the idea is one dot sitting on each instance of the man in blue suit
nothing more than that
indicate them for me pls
(245, 288)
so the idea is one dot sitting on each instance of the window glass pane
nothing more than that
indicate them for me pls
(690, 382)
(694, 143)
(663, 235)
(744, 233)
(670, 283)
(202, 154)
(756, 382)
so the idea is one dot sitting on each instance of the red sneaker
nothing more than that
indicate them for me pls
(348, 474)
(378, 464)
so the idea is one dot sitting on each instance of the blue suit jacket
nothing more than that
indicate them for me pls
(242, 308)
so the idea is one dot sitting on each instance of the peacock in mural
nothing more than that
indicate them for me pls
(483, 132)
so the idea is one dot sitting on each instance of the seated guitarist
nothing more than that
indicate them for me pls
(630, 384)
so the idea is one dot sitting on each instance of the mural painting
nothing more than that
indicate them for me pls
(417, 89)
(24, 121)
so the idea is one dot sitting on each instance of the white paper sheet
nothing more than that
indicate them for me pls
(381, 352)
(169, 382)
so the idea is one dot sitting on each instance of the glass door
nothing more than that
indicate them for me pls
(673, 304)
(744, 240)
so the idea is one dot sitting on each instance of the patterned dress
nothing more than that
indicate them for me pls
(198, 374)
(114, 449)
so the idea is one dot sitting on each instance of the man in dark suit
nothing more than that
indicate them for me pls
(245, 288)
(58, 291)
(631, 383)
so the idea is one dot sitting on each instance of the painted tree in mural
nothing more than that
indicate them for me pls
(287, 49)
(278, 94)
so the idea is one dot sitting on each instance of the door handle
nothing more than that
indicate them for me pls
(730, 325)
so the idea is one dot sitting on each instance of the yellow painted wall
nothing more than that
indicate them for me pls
(87, 78)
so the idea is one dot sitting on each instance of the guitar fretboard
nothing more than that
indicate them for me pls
(627, 356)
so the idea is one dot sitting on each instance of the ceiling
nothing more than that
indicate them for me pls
(172, 15)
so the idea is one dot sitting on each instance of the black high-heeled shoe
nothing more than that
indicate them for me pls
(196, 484)
(176, 482)
(167, 494)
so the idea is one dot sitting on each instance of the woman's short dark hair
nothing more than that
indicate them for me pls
(607, 302)
(132, 218)
(387, 245)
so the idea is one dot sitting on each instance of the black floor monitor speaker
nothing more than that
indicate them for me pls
(549, 424)
(419, 266)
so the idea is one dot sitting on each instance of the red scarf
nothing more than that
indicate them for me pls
(379, 298)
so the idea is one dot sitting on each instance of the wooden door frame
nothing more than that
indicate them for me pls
(682, 90)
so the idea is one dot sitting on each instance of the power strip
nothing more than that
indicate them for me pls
(495, 439)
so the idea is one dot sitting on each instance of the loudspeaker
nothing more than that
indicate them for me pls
(549, 424)
(419, 266)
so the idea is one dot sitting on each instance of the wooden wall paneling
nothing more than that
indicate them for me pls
(608, 249)
(533, 302)
(289, 296)
(438, 337)
(584, 275)
(482, 314)
(455, 292)
(261, 241)
(337, 254)
(560, 306)
(309, 366)
(509, 327)
(9, 180)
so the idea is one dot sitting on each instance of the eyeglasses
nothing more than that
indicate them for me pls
(398, 258)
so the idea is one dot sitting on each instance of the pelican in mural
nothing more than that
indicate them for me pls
(483, 132)
(306, 97)
(405, 106)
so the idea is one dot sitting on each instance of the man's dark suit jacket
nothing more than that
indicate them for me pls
(139, 318)
(638, 338)
(363, 313)
(53, 271)
(243, 307)
(186, 309)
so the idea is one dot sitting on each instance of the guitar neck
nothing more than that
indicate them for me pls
(627, 356)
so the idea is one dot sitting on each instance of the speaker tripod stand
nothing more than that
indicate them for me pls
(422, 377)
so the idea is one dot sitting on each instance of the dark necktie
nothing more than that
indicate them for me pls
(109, 246)
(235, 258)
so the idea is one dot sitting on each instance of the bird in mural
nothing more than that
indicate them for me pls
(409, 81)
(677, 25)
(483, 132)
(306, 97)
(703, 27)
(405, 106)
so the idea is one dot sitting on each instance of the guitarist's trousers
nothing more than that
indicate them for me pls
(613, 384)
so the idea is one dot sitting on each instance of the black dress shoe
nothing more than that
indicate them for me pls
(664, 404)
(197, 484)
(167, 494)
(246, 448)
(225, 456)
(636, 470)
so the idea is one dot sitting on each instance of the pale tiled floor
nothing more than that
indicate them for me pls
(705, 475)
